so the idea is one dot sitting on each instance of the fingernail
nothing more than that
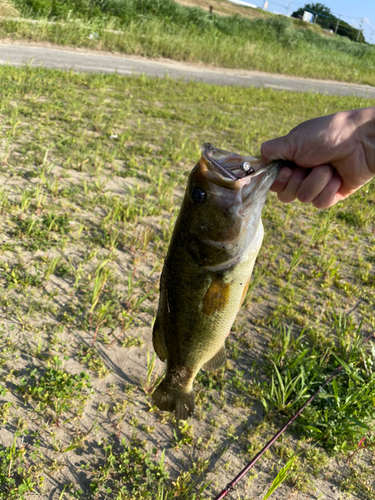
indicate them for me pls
(284, 175)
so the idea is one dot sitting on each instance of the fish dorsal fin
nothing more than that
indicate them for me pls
(216, 361)
(158, 342)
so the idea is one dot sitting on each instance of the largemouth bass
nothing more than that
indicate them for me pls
(206, 274)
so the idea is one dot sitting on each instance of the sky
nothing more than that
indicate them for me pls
(349, 10)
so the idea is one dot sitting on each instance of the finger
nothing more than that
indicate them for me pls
(290, 192)
(275, 149)
(314, 183)
(330, 194)
(281, 180)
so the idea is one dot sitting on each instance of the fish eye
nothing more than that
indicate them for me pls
(198, 195)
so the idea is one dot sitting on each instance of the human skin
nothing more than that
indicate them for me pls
(334, 154)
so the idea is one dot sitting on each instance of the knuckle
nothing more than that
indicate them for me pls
(323, 202)
(303, 196)
(286, 197)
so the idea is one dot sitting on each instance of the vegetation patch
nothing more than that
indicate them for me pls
(57, 390)
(93, 174)
(131, 473)
(341, 409)
(15, 482)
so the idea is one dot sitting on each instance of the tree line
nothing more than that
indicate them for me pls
(327, 20)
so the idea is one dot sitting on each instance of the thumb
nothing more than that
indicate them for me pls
(275, 149)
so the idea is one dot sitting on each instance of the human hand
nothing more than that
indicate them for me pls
(334, 154)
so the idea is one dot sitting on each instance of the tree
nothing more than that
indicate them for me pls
(327, 20)
(346, 30)
(324, 13)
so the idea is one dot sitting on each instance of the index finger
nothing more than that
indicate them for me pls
(282, 179)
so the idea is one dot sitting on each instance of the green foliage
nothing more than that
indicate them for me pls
(41, 233)
(324, 13)
(56, 389)
(327, 20)
(166, 28)
(131, 341)
(281, 477)
(7, 8)
(342, 410)
(130, 474)
(174, 14)
(186, 435)
(18, 275)
(15, 481)
(91, 357)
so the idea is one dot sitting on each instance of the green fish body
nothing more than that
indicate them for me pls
(207, 270)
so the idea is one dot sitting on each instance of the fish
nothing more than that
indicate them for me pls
(215, 242)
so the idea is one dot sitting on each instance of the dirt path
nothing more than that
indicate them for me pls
(103, 62)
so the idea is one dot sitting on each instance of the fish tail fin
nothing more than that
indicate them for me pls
(169, 398)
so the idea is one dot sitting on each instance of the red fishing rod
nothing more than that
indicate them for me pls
(230, 486)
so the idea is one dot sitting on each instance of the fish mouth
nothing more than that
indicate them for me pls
(248, 174)
(229, 166)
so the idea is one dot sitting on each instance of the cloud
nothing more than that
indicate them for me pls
(366, 21)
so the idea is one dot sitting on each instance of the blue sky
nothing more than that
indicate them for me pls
(351, 11)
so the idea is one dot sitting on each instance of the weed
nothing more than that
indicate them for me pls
(56, 389)
(92, 359)
(132, 473)
(152, 378)
(131, 341)
(52, 265)
(4, 408)
(186, 437)
(342, 408)
(281, 477)
(15, 482)
(41, 234)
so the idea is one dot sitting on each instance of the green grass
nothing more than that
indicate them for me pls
(15, 483)
(132, 473)
(164, 28)
(93, 170)
(55, 389)
(343, 408)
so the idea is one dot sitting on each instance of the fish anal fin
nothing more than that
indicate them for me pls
(158, 342)
(216, 361)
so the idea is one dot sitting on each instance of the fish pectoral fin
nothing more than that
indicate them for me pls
(158, 342)
(216, 361)
(217, 297)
